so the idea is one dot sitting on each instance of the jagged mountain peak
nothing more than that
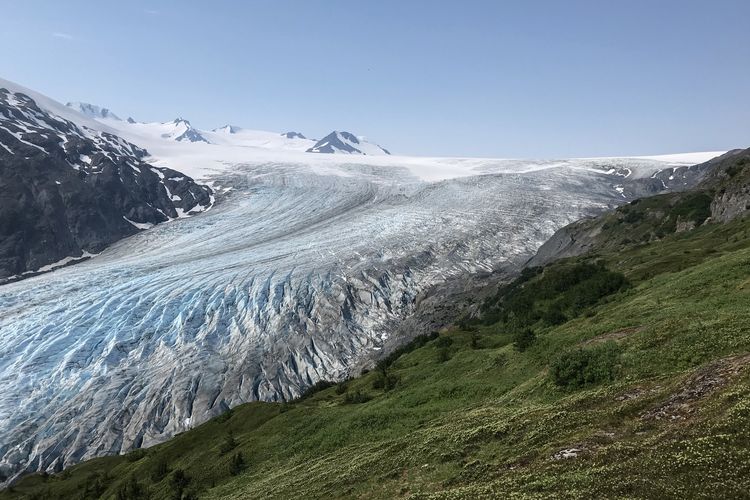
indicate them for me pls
(227, 129)
(341, 142)
(183, 131)
(293, 135)
(93, 111)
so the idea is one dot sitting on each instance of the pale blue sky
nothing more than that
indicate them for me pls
(470, 78)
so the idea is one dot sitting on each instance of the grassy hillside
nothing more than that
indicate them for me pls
(626, 376)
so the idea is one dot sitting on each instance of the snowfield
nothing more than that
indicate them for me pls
(295, 275)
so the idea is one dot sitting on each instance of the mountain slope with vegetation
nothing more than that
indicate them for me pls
(618, 372)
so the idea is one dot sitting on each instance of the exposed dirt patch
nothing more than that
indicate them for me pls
(615, 335)
(703, 383)
(638, 392)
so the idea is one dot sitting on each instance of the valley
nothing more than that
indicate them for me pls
(302, 268)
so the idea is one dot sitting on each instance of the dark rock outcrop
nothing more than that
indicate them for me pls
(66, 190)
(293, 135)
(730, 181)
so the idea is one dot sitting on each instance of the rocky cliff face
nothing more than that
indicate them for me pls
(67, 191)
(714, 191)
(730, 182)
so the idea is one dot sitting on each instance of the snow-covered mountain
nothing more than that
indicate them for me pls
(227, 129)
(293, 135)
(344, 142)
(92, 111)
(181, 130)
(69, 188)
(297, 274)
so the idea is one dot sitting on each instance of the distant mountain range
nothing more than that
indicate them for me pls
(92, 111)
(181, 130)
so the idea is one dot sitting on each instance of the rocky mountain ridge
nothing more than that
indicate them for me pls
(348, 143)
(67, 191)
(722, 194)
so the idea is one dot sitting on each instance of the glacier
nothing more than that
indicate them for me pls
(302, 270)
(296, 275)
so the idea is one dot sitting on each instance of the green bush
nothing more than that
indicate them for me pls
(555, 294)
(385, 382)
(229, 443)
(237, 463)
(132, 490)
(694, 206)
(159, 471)
(586, 366)
(285, 407)
(443, 354)
(179, 482)
(224, 417)
(136, 455)
(632, 217)
(500, 360)
(390, 382)
(415, 343)
(341, 388)
(524, 339)
(94, 486)
(318, 386)
(554, 316)
(475, 341)
(443, 342)
(357, 397)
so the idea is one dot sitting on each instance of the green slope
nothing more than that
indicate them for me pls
(646, 381)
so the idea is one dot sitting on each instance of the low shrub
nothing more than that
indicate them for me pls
(386, 382)
(136, 455)
(159, 471)
(229, 443)
(443, 354)
(224, 417)
(415, 343)
(475, 341)
(341, 388)
(237, 463)
(442, 342)
(357, 397)
(179, 482)
(586, 366)
(318, 386)
(132, 489)
(524, 339)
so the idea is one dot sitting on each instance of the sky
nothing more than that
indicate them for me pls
(532, 79)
